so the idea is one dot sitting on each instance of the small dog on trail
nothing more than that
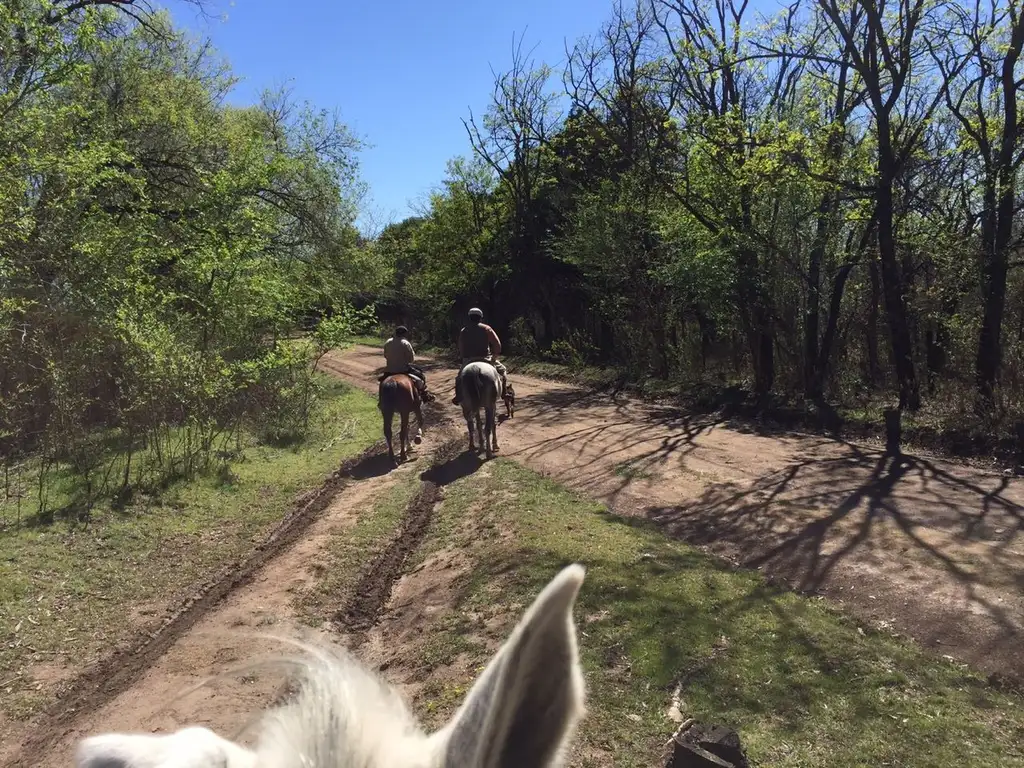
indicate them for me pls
(521, 712)
(510, 401)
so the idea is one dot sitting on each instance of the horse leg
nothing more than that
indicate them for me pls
(482, 441)
(405, 433)
(469, 427)
(492, 426)
(419, 424)
(489, 425)
(389, 416)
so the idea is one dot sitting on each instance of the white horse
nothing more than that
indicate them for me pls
(481, 388)
(520, 713)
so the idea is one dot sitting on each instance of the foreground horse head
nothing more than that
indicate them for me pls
(520, 713)
(481, 388)
(399, 394)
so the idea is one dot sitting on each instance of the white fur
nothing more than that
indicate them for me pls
(519, 714)
(487, 429)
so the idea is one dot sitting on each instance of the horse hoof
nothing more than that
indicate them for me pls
(418, 439)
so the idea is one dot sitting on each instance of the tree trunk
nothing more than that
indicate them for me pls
(813, 375)
(996, 246)
(816, 391)
(893, 287)
(871, 332)
(755, 306)
(765, 373)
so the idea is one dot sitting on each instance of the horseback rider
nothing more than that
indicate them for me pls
(399, 357)
(478, 341)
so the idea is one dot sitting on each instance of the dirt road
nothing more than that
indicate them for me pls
(231, 633)
(928, 548)
(932, 549)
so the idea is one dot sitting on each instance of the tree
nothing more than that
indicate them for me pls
(886, 43)
(980, 66)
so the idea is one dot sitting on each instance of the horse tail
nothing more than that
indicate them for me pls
(474, 384)
(388, 394)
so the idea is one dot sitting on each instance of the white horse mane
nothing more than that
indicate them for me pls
(520, 713)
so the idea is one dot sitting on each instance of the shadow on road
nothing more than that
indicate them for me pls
(460, 465)
(377, 465)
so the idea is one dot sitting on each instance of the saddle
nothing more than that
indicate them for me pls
(410, 374)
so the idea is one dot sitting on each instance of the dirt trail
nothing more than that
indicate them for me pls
(226, 637)
(929, 548)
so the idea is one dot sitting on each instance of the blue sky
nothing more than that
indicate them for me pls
(401, 72)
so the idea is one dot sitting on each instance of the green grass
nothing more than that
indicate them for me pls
(804, 684)
(70, 591)
(369, 340)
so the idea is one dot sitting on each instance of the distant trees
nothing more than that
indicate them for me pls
(765, 198)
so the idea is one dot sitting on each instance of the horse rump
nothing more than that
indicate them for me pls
(388, 393)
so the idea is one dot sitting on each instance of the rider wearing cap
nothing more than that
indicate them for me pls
(478, 341)
(399, 357)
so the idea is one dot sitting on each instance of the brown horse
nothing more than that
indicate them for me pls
(399, 393)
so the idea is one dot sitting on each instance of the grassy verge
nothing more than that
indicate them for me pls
(804, 684)
(70, 591)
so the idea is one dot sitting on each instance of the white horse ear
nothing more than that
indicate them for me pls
(187, 748)
(524, 707)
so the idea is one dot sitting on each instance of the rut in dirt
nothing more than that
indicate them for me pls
(373, 590)
(124, 666)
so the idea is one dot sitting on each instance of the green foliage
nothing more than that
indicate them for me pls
(158, 246)
(346, 322)
(65, 588)
(709, 207)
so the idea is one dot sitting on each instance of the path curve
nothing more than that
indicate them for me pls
(925, 547)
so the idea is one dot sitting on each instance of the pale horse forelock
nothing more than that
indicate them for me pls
(343, 716)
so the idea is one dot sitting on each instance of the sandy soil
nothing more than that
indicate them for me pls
(925, 547)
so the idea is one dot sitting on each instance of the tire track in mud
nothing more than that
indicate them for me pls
(373, 590)
(101, 683)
